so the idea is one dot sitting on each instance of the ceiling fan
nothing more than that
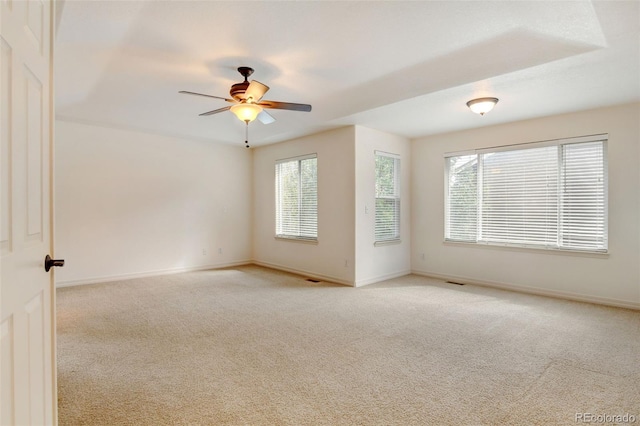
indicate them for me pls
(247, 101)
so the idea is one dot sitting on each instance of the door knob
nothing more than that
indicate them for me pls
(49, 263)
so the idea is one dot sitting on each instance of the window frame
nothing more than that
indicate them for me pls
(396, 197)
(561, 244)
(278, 202)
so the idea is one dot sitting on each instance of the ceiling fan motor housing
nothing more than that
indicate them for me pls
(238, 89)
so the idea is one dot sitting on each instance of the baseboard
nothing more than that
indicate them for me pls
(466, 280)
(120, 277)
(309, 274)
(533, 290)
(373, 280)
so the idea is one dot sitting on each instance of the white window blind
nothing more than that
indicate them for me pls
(548, 195)
(387, 221)
(520, 196)
(461, 215)
(583, 196)
(297, 198)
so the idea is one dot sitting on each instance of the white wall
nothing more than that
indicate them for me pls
(385, 261)
(611, 279)
(333, 257)
(131, 203)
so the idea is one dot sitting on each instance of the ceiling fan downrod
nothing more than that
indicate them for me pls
(245, 72)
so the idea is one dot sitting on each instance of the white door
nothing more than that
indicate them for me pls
(27, 326)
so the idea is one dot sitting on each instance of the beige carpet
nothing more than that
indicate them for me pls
(254, 346)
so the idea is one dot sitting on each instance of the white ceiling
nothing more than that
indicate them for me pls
(405, 67)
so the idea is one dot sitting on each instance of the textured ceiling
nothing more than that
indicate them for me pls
(405, 67)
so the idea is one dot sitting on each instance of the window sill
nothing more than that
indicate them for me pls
(530, 249)
(297, 240)
(387, 242)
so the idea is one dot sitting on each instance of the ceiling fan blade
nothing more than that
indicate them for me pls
(265, 117)
(215, 111)
(256, 90)
(207, 96)
(285, 105)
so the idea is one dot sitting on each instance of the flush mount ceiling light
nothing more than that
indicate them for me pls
(482, 105)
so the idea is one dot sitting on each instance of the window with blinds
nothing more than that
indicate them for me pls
(297, 198)
(547, 195)
(387, 225)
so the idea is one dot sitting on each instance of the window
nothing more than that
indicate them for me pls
(547, 195)
(297, 198)
(387, 226)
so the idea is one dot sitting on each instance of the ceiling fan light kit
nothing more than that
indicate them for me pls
(246, 112)
(482, 105)
(247, 99)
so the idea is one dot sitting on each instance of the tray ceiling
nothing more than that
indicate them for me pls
(405, 67)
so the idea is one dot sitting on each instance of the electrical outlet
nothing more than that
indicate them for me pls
(346, 263)
(204, 252)
(220, 250)
(422, 256)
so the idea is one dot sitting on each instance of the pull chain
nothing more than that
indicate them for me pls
(246, 134)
